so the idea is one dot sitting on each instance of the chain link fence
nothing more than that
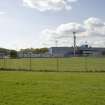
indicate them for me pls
(70, 64)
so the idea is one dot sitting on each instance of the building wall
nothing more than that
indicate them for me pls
(28, 55)
(60, 51)
(68, 51)
(3, 55)
(65, 52)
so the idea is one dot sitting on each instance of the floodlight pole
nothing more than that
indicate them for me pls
(74, 36)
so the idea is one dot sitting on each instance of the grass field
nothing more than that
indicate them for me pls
(50, 64)
(52, 88)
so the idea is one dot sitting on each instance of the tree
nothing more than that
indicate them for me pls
(13, 54)
(5, 51)
(43, 50)
(35, 51)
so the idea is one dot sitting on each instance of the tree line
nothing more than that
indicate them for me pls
(14, 53)
(35, 51)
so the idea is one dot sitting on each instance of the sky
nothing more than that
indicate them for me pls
(39, 23)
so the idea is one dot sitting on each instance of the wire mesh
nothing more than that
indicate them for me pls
(71, 64)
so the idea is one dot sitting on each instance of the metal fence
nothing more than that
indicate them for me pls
(71, 64)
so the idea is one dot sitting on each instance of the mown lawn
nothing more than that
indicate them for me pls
(50, 64)
(52, 88)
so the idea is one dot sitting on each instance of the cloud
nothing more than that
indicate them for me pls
(70, 28)
(44, 5)
(95, 27)
(91, 30)
(2, 13)
(94, 22)
(64, 31)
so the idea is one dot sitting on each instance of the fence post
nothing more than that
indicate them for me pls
(86, 67)
(3, 62)
(57, 59)
(30, 62)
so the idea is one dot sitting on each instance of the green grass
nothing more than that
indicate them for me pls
(50, 64)
(52, 88)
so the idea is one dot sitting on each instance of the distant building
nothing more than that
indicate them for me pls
(32, 55)
(4, 55)
(80, 51)
(83, 50)
(93, 51)
(61, 51)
